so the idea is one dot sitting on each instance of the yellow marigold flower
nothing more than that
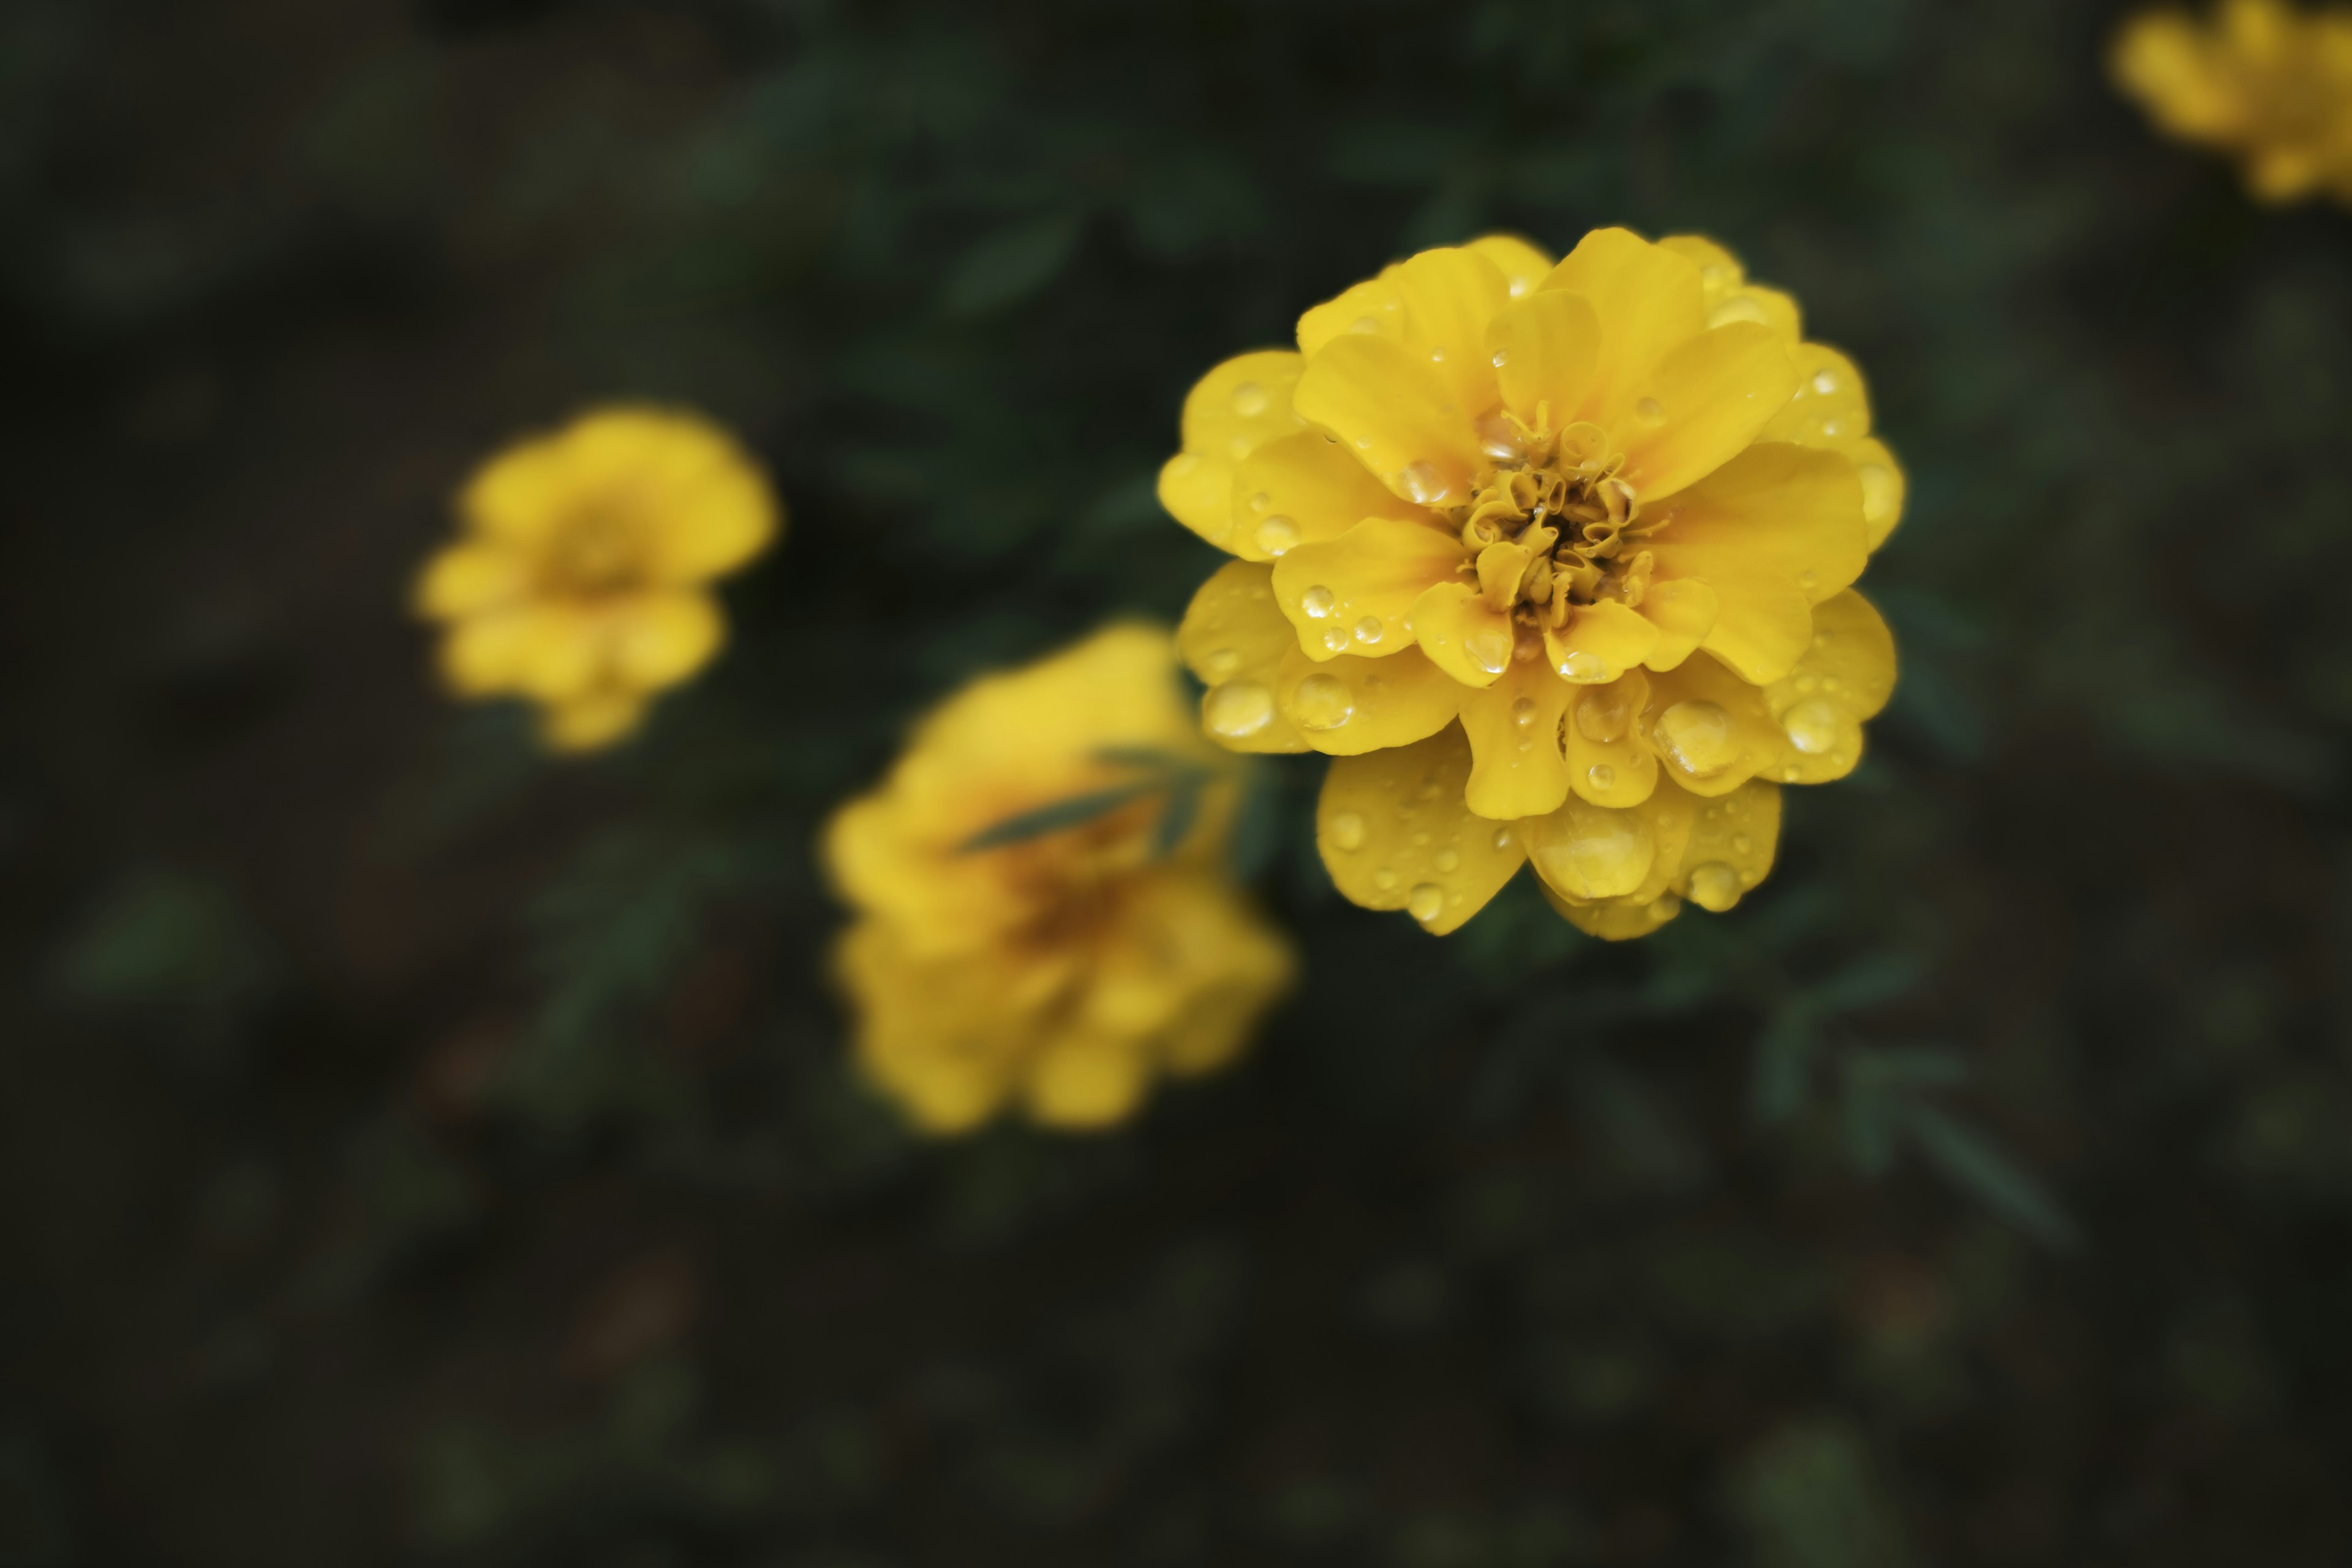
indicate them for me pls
(582, 578)
(2264, 81)
(1554, 561)
(1044, 916)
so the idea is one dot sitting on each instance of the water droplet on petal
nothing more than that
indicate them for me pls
(1447, 861)
(1811, 726)
(1603, 716)
(1502, 839)
(1500, 439)
(1250, 400)
(1583, 668)
(1489, 649)
(1370, 630)
(1714, 275)
(1697, 735)
(1240, 709)
(1425, 903)
(1714, 887)
(1365, 324)
(1317, 602)
(1502, 358)
(1602, 776)
(1384, 878)
(1649, 411)
(1808, 579)
(1322, 702)
(1741, 843)
(1335, 639)
(1523, 712)
(1825, 381)
(1348, 831)
(1222, 663)
(1277, 535)
(1424, 484)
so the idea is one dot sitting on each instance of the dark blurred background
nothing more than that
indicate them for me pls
(416, 1150)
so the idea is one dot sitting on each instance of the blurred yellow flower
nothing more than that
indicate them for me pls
(582, 578)
(2264, 81)
(1554, 560)
(1043, 912)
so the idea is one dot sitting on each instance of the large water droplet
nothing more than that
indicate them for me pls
(1365, 324)
(1489, 649)
(1335, 639)
(1502, 839)
(1825, 381)
(1697, 735)
(1447, 861)
(1384, 878)
(1423, 483)
(1602, 777)
(1238, 711)
(1277, 535)
(1583, 668)
(1250, 400)
(1714, 887)
(1220, 664)
(1348, 831)
(1502, 357)
(1650, 411)
(1499, 439)
(1322, 702)
(1370, 630)
(1523, 712)
(1813, 726)
(1317, 602)
(1604, 855)
(1603, 716)
(1425, 903)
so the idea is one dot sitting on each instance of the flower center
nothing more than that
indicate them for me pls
(595, 551)
(1553, 526)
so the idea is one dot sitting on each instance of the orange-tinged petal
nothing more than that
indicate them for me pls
(1777, 518)
(1683, 612)
(1609, 763)
(1463, 634)
(1706, 401)
(1648, 302)
(1306, 489)
(1229, 413)
(1450, 295)
(1731, 848)
(659, 639)
(1709, 729)
(1843, 678)
(1402, 420)
(592, 722)
(1374, 308)
(1600, 642)
(1347, 706)
(1544, 348)
(466, 579)
(1235, 639)
(1514, 728)
(1523, 263)
(1352, 594)
(1395, 835)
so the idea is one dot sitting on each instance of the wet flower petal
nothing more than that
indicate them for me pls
(1373, 573)
(1394, 833)
(1347, 706)
(1229, 413)
(1709, 729)
(1305, 488)
(1450, 295)
(1463, 634)
(1648, 302)
(1683, 612)
(1730, 846)
(1402, 420)
(1843, 678)
(1234, 637)
(1544, 348)
(1523, 263)
(1703, 405)
(1600, 643)
(1374, 308)
(1609, 762)
(1514, 728)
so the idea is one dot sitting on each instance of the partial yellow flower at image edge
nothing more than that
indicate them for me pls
(2261, 80)
(581, 578)
(1554, 560)
(1043, 916)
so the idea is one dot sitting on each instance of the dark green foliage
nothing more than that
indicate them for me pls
(423, 1152)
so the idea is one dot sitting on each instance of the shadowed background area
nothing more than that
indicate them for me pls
(417, 1151)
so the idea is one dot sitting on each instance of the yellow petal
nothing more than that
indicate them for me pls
(466, 579)
(1501, 567)
(1843, 678)
(592, 722)
(1085, 1079)
(944, 1038)
(1395, 833)
(1347, 706)
(1829, 404)
(1586, 852)
(1883, 487)
(1450, 295)
(1705, 401)
(1709, 729)
(1617, 920)
(1514, 728)
(1609, 763)
(552, 652)
(1373, 308)
(1396, 413)
(1191, 933)
(1777, 517)
(1683, 612)
(1648, 302)
(1353, 593)
(659, 639)
(1305, 488)
(1464, 634)
(1229, 413)
(1730, 296)
(1544, 349)
(1522, 262)
(1600, 643)
(1235, 639)
(1731, 848)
